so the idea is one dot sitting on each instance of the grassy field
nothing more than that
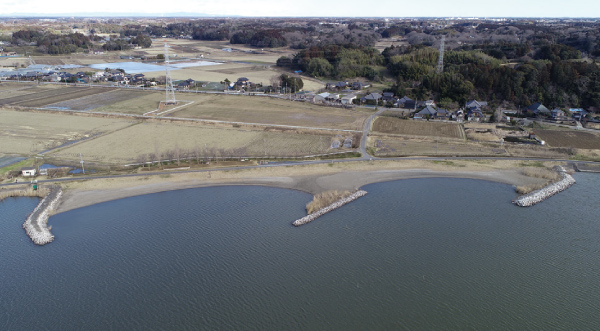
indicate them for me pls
(570, 138)
(138, 142)
(392, 125)
(28, 132)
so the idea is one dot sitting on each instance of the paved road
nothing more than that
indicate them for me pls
(366, 129)
(67, 179)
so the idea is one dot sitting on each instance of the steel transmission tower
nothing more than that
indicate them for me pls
(170, 91)
(440, 66)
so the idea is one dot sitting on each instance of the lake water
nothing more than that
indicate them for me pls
(138, 67)
(419, 254)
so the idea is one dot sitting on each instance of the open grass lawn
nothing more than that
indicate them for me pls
(138, 142)
(29, 132)
(570, 138)
(392, 125)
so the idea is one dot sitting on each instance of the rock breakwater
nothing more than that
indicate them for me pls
(311, 217)
(36, 223)
(542, 194)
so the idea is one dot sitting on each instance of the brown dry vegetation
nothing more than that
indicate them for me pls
(240, 108)
(570, 138)
(393, 125)
(31, 132)
(324, 199)
(23, 192)
(102, 99)
(150, 141)
(410, 146)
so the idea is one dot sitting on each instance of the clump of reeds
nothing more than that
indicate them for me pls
(544, 173)
(524, 189)
(28, 192)
(324, 199)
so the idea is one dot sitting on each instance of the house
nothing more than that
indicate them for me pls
(538, 109)
(474, 104)
(322, 97)
(458, 115)
(427, 112)
(348, 99)
(242, 82)
(387, 96)
(442, 114)
(406, 102)
(475, 115)
(359, 86)
(557, 114)
(28, 171)
(578, 113)
(371, 98)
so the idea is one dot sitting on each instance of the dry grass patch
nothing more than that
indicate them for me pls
(149, 141)
(394, 125)
(32, 132)
(324, 199)
(408, 146)
(570, 138)
(256, 109)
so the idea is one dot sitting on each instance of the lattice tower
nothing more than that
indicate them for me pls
(440, 65)
(170, 91)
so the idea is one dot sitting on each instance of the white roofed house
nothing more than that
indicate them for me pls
(28, 171)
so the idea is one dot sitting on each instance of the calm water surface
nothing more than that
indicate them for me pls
(420, 254)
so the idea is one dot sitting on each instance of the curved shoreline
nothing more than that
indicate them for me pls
(74, 198)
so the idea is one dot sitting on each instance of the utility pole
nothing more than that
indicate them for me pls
(82, 168)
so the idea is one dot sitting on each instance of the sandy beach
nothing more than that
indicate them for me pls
(312, 179)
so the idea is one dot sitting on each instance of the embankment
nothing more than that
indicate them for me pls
(542, 194)
(36, 223)
(311, 217)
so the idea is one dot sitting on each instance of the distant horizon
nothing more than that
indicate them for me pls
(202, 15)
(551, 9)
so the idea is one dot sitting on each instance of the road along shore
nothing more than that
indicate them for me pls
(311, 217)
(542, 194)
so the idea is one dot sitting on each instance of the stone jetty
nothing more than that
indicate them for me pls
(542, 194)
(36, 223)
(311, 217)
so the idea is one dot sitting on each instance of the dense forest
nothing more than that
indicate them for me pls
(49, 43)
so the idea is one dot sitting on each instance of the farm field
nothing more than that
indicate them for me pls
(399, 146)
(144, 141)
(48, 94)
(73, 93)
(240, 108)
(29, 132)
(270, 111)
(570, 138)
(106, 98)
(21, 93)
(392, 125)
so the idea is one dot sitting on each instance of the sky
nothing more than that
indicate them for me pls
(312, 8)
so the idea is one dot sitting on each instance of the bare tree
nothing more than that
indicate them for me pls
(275, 81)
